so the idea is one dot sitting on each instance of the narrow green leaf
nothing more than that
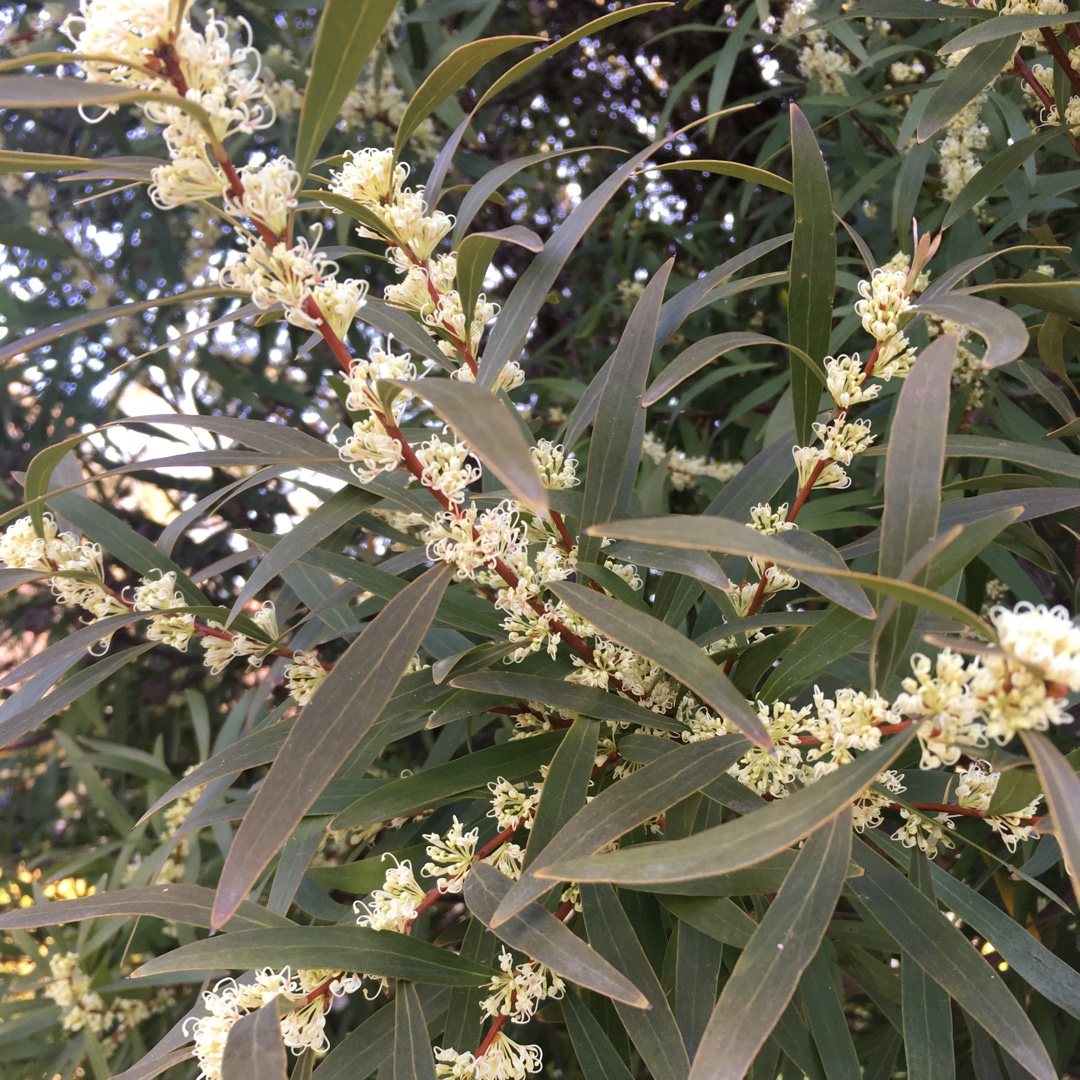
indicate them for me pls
(709, 533)
(474, 258)
(539, 934)
(914, 462)
(1056, 980)
(566, 784)
(655, 1033)
(661, 644)
(768, 971)
(696, 356)
(409, 794)
(749, 173)
(484, 421)
(485, 187)
(586, 700)
(338, 510)
(698, 960)
(21, 161)
(52, 92)
(615, 450)
(910, 9)
(188, 905)
(523, 67)
(254, 1047)
(86, 319)
(532, 288)
(1004, 26)
(76, 642)
(717, 916)
(1034, 457)
(998, 169)
(379, 953)
(348, 31)
(413, 1059)
(839, 589)
(449, 77)
(16, 726)
(742, 842)
(1004, 331)
(947, 956)
(256, 748)
(965, 82)
(625, 805)
(344, 707)
(916, 457)
(596, 1057)
(821, 994)
(155, 1064)
(368, 1046)
(927, 1012)
(813, 271)
(1062, 787)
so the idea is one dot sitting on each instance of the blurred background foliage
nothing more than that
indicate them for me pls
(70, 795)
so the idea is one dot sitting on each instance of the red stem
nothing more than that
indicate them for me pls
(1053, 47)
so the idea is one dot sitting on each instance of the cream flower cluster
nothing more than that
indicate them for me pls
(375, 180)
(975, 792)
(964, 704)
(817, 58)
(159, 49)
(301, 281)
(885, 308)
(302, 1029)
(82, 1007)
(503, 1059)
(770, 579)
(1027, 7)
(62, 553)
(1044, 73)
(76, 565)
(965, 134)
(684, 469)
(518, 991)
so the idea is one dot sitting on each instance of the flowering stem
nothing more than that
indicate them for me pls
(960, 811)
(491, 1035)
(1061, 58)
(1021, 70)
(564, 532)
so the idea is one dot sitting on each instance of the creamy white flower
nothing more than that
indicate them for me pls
(370, 176)
(504, 1059)
(190, 176)
(161, 594)
(470, 540)
(926, 833)
(511, 807)
(1044, 639)
(281, 275)
(451, 856)
(393, 907)
(270, 191)
(557, 468)
(518, 991)
(304, 675)
(826, 64)
(369, 450)
(449, 467)
(807, 460)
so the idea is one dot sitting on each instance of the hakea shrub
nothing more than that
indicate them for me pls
(740, 725)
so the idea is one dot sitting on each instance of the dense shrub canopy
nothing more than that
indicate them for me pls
(550, 528)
